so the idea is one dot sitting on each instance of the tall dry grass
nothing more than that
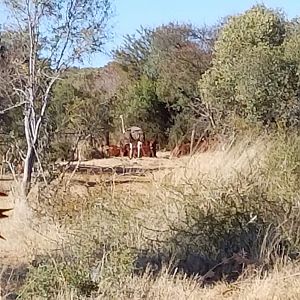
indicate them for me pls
(279, 284)
(25, 234)
(150, 242)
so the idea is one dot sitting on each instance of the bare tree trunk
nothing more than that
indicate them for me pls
(2, 165)
(29, 125)
(28, 168)
(192, 139)
(122, 123)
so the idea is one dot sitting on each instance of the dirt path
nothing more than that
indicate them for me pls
(103, 169)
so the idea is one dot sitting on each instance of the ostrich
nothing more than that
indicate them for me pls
(132, 135)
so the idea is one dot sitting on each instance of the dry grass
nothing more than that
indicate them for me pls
(283, 284)
(174, 206)
(240, 157)
(279, 284)
(26, 235)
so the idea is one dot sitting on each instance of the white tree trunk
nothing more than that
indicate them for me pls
(28, 167)
(66, 43)
(192, 139)
(30, 154)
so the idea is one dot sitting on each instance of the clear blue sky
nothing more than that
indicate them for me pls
(131, 14)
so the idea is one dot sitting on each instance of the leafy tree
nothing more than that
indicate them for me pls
(291, 55)
(83, 103)
(140, 106)
(181, 59)
(56, 34)
(172, 57)
(258, 26)
(134, 53)
(265, 90)
(78, 110)
(292, 45)
(81, 106)
(250, 77)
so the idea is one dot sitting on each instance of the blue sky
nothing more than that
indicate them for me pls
(130, 14)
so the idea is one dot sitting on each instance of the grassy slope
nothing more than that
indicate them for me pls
(255, 177)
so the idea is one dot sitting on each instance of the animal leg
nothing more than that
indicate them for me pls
(139, 145)
(130, 150)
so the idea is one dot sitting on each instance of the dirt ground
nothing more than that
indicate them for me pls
(99, 169)
(119, 173)
(161, 161)
(122, 173)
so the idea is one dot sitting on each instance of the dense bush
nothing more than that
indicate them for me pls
(250, 76)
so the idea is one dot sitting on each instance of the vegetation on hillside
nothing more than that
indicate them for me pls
(221, 216)
(225, 218)
(176, 77)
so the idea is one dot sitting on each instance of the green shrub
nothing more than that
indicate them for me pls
(51, 276)
(255, 210)
(93, 259)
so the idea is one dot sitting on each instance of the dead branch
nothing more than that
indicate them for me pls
(12, 107)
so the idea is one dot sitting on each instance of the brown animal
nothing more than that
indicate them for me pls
(202, 145)
(180, 150)
(146, 149)
(149, 148)
(124, 150)
(153, 147)
(114, 151)
(184, 149)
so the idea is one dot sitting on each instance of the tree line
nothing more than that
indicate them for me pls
(169, 80)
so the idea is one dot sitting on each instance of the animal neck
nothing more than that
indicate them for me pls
(123, 126)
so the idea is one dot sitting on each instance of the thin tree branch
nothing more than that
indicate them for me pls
(12, 107)
(43, 109)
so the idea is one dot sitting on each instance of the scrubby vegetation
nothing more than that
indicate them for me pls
(170, 79)
(223, 217)
(216, 225)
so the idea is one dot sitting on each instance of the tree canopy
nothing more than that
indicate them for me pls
(251, 75)
(168, 80)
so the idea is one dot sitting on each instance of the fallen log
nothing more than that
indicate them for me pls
(120, 170)
(109, 181)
